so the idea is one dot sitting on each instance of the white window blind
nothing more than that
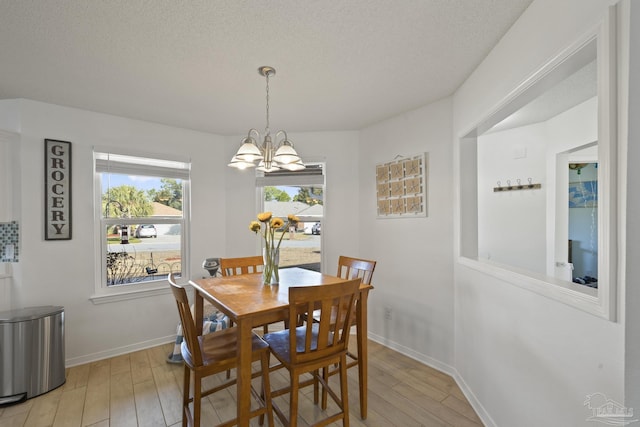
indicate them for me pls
(140, 165)
(312, 175)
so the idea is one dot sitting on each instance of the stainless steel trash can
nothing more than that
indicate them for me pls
(31, 352)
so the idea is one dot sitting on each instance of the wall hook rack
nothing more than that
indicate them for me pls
(519, 186)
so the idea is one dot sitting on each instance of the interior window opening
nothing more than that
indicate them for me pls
(539, 184)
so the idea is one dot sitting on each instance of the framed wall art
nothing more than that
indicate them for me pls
(401, 187)
(57, 196)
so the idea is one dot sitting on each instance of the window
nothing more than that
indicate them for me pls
(141, 210)
(300, 193)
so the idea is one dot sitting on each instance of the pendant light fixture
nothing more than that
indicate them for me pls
(273, 154)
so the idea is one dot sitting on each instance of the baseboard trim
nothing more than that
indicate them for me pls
(429, 361)
(442, 367)
(473, 401)
(93, 357)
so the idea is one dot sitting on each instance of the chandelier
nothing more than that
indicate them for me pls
(273, 154)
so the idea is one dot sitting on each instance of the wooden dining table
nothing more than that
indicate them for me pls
(250, 304)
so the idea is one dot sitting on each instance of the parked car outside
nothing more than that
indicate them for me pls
(146, 230)
(316, 228)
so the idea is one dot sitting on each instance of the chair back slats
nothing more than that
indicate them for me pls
(334, 308)
(188, 324)
(308, 339)
(242, 265)
(351, 268)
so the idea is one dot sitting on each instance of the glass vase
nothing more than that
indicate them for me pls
(270, 273)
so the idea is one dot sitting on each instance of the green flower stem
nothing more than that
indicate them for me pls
(271, 271)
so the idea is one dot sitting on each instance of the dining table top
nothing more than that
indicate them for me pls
(246, 295)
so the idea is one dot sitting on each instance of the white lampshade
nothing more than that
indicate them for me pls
(286, 154)
(249, 151)
(262, 167)
(240, 164)
(295, 166)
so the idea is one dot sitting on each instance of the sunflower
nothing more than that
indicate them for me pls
(264, 216)
(255, 226)
(271, 242)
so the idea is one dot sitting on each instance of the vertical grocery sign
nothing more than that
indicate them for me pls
(57, 178)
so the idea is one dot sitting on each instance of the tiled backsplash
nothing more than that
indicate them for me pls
(9, 237)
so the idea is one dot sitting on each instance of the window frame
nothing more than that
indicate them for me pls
(314, 175)
(157, 165)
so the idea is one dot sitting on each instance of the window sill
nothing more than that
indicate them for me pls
(580, 297)
(116, 295)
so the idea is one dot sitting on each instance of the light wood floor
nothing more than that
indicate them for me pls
(141, 389)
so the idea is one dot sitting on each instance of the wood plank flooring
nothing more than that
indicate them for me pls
(141, 389)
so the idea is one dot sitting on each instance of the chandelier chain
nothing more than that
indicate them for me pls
(267, 77)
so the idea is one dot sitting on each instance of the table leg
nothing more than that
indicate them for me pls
(244, 372)
(361, 331)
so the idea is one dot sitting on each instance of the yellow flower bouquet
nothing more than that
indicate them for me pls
(271, 250)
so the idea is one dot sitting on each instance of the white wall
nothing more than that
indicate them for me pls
(62, 272)
(8, 191)
(10, 115)
(413, 276)
(512, 224)
(528, 360)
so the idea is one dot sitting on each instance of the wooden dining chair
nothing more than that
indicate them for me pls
(211, 354)
(352, 268)
(241, 265)
(314, 346)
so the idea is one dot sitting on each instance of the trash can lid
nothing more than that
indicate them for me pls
(29, 313)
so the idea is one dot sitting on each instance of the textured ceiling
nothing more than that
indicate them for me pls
(577, 88)
(341, 64)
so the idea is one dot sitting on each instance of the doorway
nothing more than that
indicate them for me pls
(583, 223)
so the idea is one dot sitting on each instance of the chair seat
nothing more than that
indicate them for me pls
(213, 320)
(279, 342)
(221, 348)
